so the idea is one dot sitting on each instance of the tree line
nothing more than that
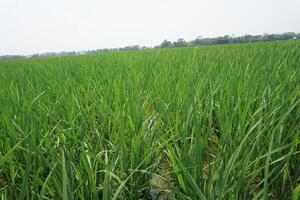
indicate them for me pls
(199, 41)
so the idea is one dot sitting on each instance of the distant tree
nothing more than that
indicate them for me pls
(180, 43)
(166, 44)
(223, 40)
(130, 48)
(12, 57)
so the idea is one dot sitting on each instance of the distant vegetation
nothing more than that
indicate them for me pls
(179, 43)
(231, 40)
(13, 57)
(218, 122)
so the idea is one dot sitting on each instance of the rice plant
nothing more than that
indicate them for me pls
(218, 122)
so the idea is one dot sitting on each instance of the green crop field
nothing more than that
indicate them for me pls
(217, 122)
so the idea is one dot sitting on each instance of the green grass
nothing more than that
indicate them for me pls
(216, 122)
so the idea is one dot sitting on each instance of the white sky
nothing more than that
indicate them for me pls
(36, 26)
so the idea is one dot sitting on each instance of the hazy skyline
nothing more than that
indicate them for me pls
(33, 26)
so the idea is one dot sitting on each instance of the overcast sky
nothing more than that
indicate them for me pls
(36, 26)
